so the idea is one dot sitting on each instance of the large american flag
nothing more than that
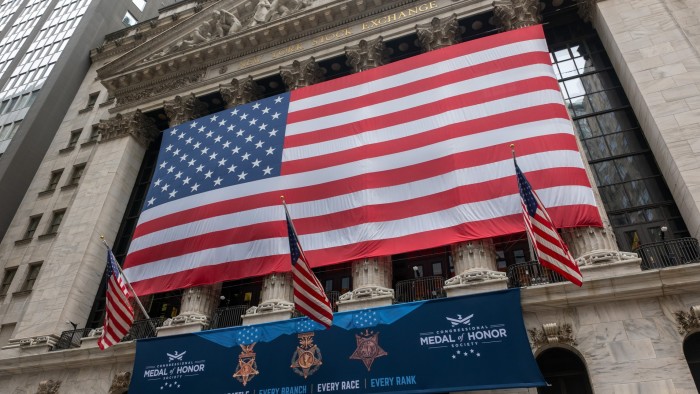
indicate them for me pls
(119, 314)
(309, 296)
(407, 156)
(546, 241)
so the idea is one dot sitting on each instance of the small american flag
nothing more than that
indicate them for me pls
(551, 249)
(119, 315)
(309, 297)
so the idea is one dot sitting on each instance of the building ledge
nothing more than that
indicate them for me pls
(47, 236)
(23, 241)
(88, 143)
(69, 186)
(86, 109)
(47, 192)
(22, 292)
(66, 149)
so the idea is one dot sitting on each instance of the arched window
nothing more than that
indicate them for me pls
(564, 371)
(691, 349)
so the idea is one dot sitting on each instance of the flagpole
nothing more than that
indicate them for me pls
(131, 289)
(527, 234)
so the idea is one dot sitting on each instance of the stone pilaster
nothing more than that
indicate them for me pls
(514, 14)
(198, 303)
(301, 73)
(438, 33)
(135, 124)
(240, 92)
(276, 300)
(476, 263)
(371, 278)
(367, 54)
(184, 108)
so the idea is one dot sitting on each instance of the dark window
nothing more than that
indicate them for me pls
(7, 280)
(74, 137)
(634, 192)
(56, 221)
(53, 181)
(94, 133)
(564, 371)
(33, 224)
(77, 174)
(32, 274)
(92, 99)
(691, 349)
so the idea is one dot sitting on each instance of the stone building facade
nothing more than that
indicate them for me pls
(630, 74)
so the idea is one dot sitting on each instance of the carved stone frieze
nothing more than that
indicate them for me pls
(135, 124)
(120, 383)
(688, 322)
(474, 275)
(552, 333)
(594, 245)
(198, 304)
(184, 108)
(367, 54)
(266, 11)
(48, 387)
(136, 95)
(301, 73)
(515, 14)
(371, 278)
(240, 92)
(438, 33)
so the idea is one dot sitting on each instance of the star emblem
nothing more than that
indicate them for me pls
(368, 348)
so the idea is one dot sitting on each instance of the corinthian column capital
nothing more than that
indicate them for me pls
(301, 73)
(515, 14)
(367, 54)
(135, 124)
(438, 33)
(240, 92)
(184, 108)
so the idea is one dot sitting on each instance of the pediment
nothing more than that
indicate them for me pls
(218, 32)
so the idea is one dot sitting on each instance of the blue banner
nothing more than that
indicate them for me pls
(450, 344)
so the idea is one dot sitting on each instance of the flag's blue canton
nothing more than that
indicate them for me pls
(364, 319)
(248, 336)
(308, 325)
(227, 148)
(293, 242)
(111, 264)
(526, 192)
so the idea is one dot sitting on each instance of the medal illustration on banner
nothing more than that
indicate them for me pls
(307, 358)
(247, 368)
(368, 348)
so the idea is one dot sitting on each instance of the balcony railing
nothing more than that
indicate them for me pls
(333, 297)
(145, 328)
(669, 253)
(71, 338)
(531, 273)
(417, 289)
(228, 316)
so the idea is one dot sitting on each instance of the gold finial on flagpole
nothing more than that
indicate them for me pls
(102, 237)
(512, 150)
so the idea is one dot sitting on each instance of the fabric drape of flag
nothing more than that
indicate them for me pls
(551, 250)
(403, 157)
(119, 314)
(309, 297)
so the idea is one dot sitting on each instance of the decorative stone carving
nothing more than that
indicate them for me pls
(158, 87)
(266, 11)
(475, 261)
(438, 33)
(586, 9)
(41, 340)
(371, 278)
(120, 383)
(277, 294)
(197, 305)
(221, 24)
(240, 92)
(48, 387)
(688, 321)
(594, 245)
(515, 14)
(135, 124)
(367, 55)
(184, 108)
(301, 74)
(552, 333)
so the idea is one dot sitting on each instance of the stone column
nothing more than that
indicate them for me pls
(240, 92)
(371, 282)
(277, 300)
(198, 303)
(277, 296)
(367, 54)
(301, 73)
(476, 263)
(514, 14)
(438, 33)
